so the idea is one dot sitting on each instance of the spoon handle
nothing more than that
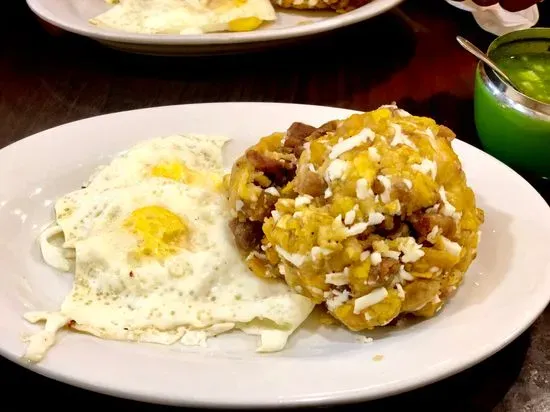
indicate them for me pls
(483, 57)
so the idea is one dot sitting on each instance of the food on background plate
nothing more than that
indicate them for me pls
(205, 16)
(370, 216)
(154, 260)
(185, 16)
(340, 6)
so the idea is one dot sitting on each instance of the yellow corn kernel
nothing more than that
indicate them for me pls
(258, 267)
(429, 310)
(318, 153)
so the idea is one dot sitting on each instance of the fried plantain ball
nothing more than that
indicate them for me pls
(370, 216)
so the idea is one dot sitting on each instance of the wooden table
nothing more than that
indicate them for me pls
(408, 55)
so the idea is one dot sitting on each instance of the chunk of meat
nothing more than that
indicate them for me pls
(279, 171)
(377, 187)
(424, 224)
(309, 183)
(263, 162)
(402, 192)
(393, 227)
(296, 136)
(248, 235)
(383, 273)
(324, 129)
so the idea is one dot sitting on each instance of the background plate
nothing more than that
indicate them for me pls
(73, 16)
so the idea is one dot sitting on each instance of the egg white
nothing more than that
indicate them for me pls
(197, 151)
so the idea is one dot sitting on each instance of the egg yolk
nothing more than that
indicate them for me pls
(178, 171)
(244, 24)
(161, 233)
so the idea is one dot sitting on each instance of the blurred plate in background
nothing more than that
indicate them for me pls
(74, 16)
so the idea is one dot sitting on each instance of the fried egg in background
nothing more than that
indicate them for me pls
(185, 16)
(154, 259)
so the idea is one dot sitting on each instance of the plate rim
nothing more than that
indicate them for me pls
(338, 21)
(355, 395)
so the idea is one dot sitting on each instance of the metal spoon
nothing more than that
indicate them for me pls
(485, 59)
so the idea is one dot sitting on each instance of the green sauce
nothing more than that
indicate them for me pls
(530, 72)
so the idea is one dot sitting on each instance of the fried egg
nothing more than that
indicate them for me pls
(154, 259)
(186, 16)
(193, 159)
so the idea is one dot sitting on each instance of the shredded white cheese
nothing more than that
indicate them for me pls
(392, 254)
(364, 255)
(362, 189)
(400, 291)
(373, 154)
(349, 218)
(374, 297)
(295, 258)
(452, 247)
(239, 205)
(256, 255)
(375, 258)
(431, 137)
(335, 298)
(357, 229)
(400, 138)
(346, 145)
(408, 183)
(386, 182)
(272, 191)
(338, 278)
(448, 209)
(432, 236)
(276, 215)
(411, 250)
(328, 193)
(426, 167)
(364, 339)
(375, 218)
(404, 275)
(317, 251)
(336, 170)
(302, 200)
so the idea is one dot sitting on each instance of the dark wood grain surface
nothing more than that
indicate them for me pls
(408, 55)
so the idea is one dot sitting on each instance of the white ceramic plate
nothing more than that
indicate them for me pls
(73, 16)
(504, 291)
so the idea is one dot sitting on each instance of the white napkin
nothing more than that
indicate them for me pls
(498, 21)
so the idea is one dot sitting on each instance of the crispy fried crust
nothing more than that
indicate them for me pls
(370, 216)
